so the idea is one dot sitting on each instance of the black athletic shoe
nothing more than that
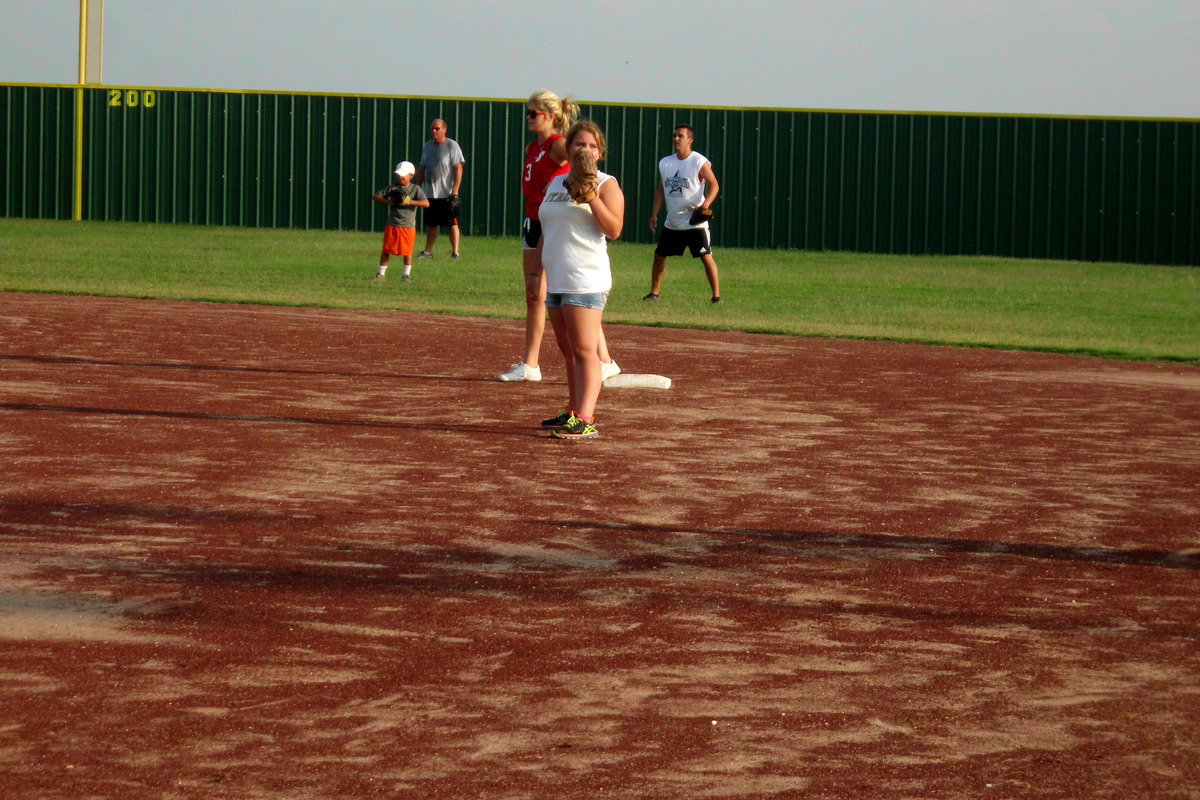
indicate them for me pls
(575, 429)
(716, 299)
(651, 296)
(559, 421)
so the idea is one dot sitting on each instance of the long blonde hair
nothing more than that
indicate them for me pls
(562, 110)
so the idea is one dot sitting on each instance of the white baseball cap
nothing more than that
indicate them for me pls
(405, 168)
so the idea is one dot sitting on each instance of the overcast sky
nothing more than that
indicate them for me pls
(1071, 57)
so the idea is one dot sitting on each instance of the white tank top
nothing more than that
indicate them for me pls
(574, 251)
(683, 190)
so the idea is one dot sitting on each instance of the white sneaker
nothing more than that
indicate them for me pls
(521, 371)
(607, 370)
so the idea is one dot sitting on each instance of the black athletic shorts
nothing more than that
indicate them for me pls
(672, 242)
(439, 213)
(531, 230)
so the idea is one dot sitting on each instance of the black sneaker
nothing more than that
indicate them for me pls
(559, 421)
(716, 299)
(406, 277)
(576, 428)
(651, 296)
(423, 254)
(455, 256)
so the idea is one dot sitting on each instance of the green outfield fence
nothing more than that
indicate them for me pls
(1081, 188)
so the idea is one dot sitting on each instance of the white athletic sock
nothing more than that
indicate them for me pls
(382, 269)
(408, 269)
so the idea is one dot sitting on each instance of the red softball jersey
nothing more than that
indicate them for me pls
(539, 170)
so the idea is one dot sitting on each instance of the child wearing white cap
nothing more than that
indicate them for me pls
(403, 199)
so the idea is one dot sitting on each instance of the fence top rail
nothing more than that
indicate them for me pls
(765, 109)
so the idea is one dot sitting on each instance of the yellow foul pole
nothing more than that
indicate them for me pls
(77, 205)
(91, 38)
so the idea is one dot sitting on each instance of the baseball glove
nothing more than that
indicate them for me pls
(581, 182)
(455, 205)
(701, 215)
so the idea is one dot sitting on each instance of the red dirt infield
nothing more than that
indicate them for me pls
(278, 553)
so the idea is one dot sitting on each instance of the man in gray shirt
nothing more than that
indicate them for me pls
(440, 174)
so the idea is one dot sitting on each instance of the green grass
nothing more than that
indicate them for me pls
(1112, 310)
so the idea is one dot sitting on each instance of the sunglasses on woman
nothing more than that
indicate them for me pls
(534, 114)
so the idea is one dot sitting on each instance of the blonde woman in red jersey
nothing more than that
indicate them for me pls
(547, 116)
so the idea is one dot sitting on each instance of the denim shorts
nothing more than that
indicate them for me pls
(582, 299)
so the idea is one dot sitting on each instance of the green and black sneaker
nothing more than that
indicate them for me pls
(575, 428)
(558, 421)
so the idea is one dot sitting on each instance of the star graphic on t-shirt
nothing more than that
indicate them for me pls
(675, 185)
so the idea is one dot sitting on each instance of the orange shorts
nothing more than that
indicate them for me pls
(398, 241)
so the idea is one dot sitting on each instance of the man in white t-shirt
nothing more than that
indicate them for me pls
(687, 183)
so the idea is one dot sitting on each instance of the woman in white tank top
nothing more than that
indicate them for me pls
(578, 278)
